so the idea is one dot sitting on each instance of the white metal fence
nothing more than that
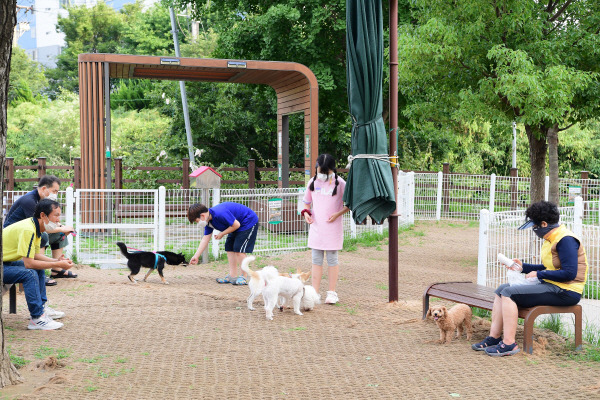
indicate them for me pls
(461, 196)
(156, 219)
(498, 234)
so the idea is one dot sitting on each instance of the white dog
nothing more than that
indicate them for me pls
(257, 279)
(277, 286)
(310, 298)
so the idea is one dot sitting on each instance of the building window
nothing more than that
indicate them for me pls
(34, 55)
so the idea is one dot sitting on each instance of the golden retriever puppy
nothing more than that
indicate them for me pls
(449, 321)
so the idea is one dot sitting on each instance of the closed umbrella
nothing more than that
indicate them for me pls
(370, 189)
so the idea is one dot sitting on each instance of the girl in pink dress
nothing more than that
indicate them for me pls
(324, 206)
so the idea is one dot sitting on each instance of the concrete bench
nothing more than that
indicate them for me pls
(483, 297)
(12, 297)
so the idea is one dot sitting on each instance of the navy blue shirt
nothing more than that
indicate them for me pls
(225, 214)
(23, 208)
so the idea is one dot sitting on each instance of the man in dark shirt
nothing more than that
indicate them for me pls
(24, 207)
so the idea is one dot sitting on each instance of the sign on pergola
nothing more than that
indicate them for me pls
(295, 85)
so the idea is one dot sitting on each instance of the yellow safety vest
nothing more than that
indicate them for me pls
(552, 262)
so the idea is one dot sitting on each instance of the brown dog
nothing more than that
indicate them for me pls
(455, 319)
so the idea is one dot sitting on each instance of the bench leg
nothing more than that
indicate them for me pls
(12, 307)
(528, 333)
(578, 327)
(425, 305)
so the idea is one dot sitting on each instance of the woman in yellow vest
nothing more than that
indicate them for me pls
(562, 275)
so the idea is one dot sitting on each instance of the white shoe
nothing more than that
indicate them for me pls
(44, 323)
(52, 313)
(332, 297)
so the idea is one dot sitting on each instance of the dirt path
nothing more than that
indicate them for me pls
(195, 339)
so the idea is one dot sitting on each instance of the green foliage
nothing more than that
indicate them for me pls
(27, 79)
(491, 63)
(308, 32)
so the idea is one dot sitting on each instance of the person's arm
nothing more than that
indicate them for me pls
(40, 261)
(203, 245)
(335, 216)
(235, 226)
(567, 249)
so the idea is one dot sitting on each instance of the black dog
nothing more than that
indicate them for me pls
(148, 259)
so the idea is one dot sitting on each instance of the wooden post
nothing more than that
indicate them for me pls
(514, 196)
(118, 173)
(446, 187)
(10, 173)
(251, 173)
(76, 173)
(41, 167)
(585, 175)
(185, 169)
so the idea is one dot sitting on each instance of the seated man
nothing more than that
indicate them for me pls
(23, 208)
(24, 264)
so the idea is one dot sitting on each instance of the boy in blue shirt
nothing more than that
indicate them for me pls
(238, 222)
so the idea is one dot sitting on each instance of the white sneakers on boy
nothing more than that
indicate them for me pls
(52, 313)
(332, 297)
(44, 323)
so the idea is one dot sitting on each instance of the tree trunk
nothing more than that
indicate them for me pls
(553, 163)
(8, 20)
(537, 159)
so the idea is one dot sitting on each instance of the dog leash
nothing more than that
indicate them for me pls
(155, 253)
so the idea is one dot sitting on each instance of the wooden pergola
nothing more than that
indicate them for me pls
(295, 85)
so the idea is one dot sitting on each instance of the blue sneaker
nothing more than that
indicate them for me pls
(485, 343)
(502, 350)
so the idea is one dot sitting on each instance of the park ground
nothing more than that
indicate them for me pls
(195, 339)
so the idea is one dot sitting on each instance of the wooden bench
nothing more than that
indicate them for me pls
(483, 297)
(12, 297)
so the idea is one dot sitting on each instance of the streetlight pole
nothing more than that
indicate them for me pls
(514, 145)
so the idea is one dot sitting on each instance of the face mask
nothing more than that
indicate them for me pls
(52, 196)
(51, 226)
(202, 224)
(324, 177)
(541, 232)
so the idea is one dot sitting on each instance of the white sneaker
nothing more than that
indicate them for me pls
(332, 297)
(44, 323)
(52, 313)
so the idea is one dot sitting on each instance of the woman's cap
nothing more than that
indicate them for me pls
(528, 224)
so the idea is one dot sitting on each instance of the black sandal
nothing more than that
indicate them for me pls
(50, 281)
(63, 274)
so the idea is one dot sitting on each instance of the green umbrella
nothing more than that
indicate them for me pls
(370, 188)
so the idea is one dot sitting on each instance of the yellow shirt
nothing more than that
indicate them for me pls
(21, 239)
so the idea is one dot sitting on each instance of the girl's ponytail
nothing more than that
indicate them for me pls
(336, 182)
(312, 182)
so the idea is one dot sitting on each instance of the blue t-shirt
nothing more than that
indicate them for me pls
(225, 214)
(23, 208)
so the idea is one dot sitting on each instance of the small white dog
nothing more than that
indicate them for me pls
(310, 298)
(277, 286)
(257, 279)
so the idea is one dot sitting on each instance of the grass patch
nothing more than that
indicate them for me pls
(591, 290)
(552, 323)
(45, 351)
(381, 286)
(298, 328)
(366, 239)
(589, 353)
(92, 360)
(481, 313)
(18, 361)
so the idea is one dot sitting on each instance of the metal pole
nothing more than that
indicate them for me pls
(514, 145)
(186, 117)
(393, 112)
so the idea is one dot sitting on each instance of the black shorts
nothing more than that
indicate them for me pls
(242, 242)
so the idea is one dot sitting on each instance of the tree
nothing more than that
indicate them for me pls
(310, 32)
(504, 60)
(8, 20)
(27, 79)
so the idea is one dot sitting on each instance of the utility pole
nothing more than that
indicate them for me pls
(514, 145)
(186, 117)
